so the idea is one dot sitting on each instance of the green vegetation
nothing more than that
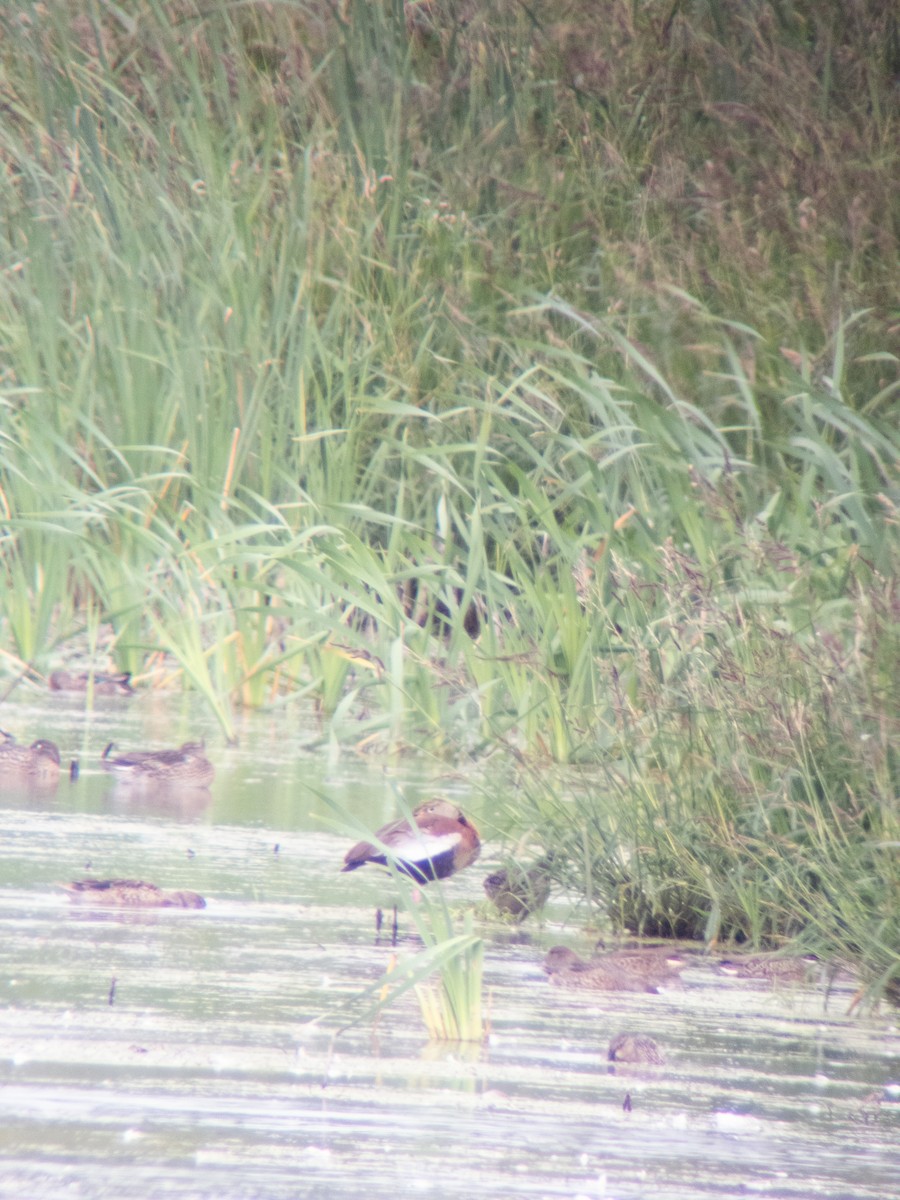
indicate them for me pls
(451, 1005)
(513, 379)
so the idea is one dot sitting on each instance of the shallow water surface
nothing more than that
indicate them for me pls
(214, 1071)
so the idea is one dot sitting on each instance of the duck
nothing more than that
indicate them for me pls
(634, 1048)
(440, 842)
(104, 685)
(187, 766)
(772, 967)
(129, 893)
(517, 892)
(610, 972)
(37, 763)
(659, 955)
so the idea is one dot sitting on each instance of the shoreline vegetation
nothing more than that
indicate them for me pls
(499, 383)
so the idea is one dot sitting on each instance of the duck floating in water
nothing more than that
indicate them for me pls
(129, 893)
(628, 971)
(187, 766)
(660, 954)
(440, 842)
(104, 685)
(634, 1048)
(772, 967)
(37, 764)
(518, 892)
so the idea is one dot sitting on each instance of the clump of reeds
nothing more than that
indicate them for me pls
(747, 787)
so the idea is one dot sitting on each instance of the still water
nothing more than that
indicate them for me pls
(215, 1073)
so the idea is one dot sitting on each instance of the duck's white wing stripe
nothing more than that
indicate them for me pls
(421, 847)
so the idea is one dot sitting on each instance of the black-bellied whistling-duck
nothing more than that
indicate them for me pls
(439, 843)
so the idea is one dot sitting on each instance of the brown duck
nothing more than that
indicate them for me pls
(634, 1048)
(439, 842)
(37, 763)
(187, 766)
(779, 968)
(129, 893)
(661, 955)
(518, 892)
(613, 972)
(104, 685)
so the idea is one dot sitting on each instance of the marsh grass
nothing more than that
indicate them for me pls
(748, 789)
(447, 978)
(452, 1007)
(547, 361)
